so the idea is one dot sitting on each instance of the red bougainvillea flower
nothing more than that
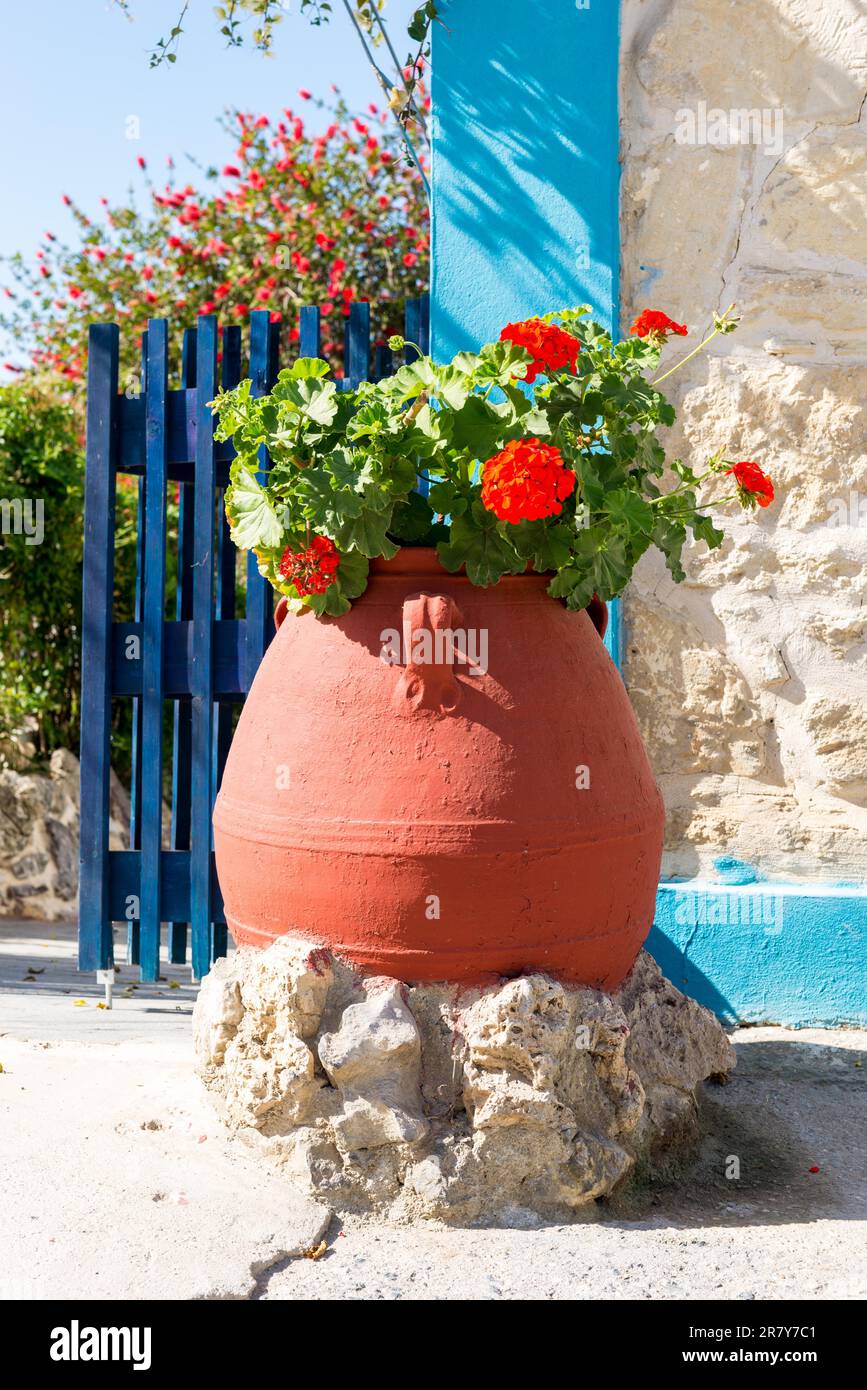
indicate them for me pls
(313, 570)
(753, 485)
(549, 346)
(654, 322)
(526, 482)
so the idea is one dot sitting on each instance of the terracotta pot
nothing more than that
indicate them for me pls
(436, 819)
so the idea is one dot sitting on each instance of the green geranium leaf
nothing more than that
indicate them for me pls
(501, 363)
(480, 547)
(252, 518)
(476, 428)
(310, 397)
(704, 530)
(670, 537)
(548, 545)
(305, 369)
(366, 532)
(576, 584)
(411, 520)
(628, 509)
(446, 499)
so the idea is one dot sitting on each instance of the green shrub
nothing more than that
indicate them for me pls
(41, 530)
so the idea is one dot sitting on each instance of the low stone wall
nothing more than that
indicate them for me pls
(750, 680)
(39, 821)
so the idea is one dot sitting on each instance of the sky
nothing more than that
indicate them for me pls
(73, 73)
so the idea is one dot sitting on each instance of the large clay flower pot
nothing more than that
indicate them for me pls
(439, 820)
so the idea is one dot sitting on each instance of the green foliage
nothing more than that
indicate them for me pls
(42, 462)
(345, 466)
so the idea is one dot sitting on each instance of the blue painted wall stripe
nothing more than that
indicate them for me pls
(766, 953)
(525, 164)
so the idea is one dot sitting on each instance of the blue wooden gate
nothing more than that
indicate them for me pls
(204, 659)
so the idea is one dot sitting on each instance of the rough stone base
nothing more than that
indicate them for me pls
(519, 1098)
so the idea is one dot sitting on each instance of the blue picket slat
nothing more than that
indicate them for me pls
(260, 603)
(133, 930)
(226, 555)
(202, 657)
(95, 948)
(424, 323)
(182, 727)
(133, 927)
(417, 334)
(412, 329)
(384, 362)
(310, 325)
(205, 659)
(152, 646)
(357, 345)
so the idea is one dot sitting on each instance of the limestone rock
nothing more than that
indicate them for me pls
(510, 1101)
(250, 1027)
(374, 1059)
(217, 1013)
(839, 735)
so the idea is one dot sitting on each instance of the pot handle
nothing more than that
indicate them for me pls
(597, 612)
(428, 682)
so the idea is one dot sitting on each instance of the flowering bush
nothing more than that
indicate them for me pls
(291, 217)
(565, 480)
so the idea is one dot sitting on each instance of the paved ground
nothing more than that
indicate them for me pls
(118, 1181)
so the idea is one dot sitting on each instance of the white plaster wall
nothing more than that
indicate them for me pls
(750, 680)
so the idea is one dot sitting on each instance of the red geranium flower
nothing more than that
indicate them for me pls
(753, 485)
(550, 347)
(654, 322)
(313, 570)
(231, 171)
(526, 481)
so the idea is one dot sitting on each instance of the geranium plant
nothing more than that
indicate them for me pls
(565, 478)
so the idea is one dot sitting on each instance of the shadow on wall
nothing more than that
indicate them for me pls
(525, 164)
(687, 977)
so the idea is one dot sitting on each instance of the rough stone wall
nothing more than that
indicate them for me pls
(39, 820)
(750, 679)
